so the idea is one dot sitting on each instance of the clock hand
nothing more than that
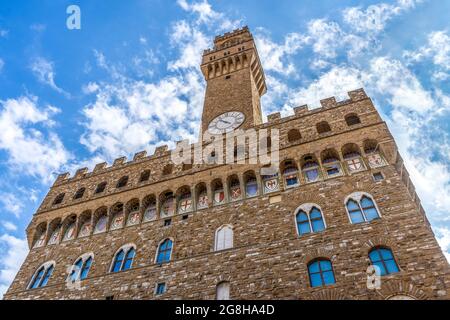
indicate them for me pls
(226, 122)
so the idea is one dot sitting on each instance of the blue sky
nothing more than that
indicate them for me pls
(129, 80)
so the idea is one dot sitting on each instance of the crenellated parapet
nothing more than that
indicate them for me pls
(163, 151)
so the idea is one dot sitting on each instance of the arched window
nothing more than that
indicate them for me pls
(271, 183)
(202, 196)
(100, 187)
(80, 268)
(224, 238)
(118, 216)
(167, 170)
(145, 176)
(149, 203)
(323, 127)
(223, 291)
(218, 192)
(59, 199)
(40, 235)
(321, 273)
(55, 228)
(69, 228)
(164, 252)
(290, 174)
(235, 188)
(132, 212)
(310, 169)
(309, 220)
(41, 277)
(184, 199)
(122, 182)
(84, 224)
(251, 185)
(331, 163)
(374, 154)
(167, 200)
(384, 259)
(361, 208)
(79, 194)
(123, 259)
(352, 156)
(100, 220)
(294, 135)
(352, 119)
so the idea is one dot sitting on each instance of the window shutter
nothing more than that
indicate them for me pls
(228, 241)
(223, 291)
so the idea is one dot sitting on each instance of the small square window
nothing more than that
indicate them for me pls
(109, 298)
(160, 288)
(378, 176)
(185, 217)
(167, 222)
(228, 77)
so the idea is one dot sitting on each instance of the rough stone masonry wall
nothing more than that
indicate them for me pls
(268, 259)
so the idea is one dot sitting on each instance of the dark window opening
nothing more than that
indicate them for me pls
(294, 135)
(101, 187)
(352, 120)
(160, 288)
(59, 199)
(167, 169)
(79, 194)
(378, 176)
(323, 127)
(122, 182)
(167, 222)
(145, 176)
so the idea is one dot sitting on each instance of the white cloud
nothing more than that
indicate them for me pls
(437, 49)
(191, 42)
(336, 82)
(44, 72)
(273, 55)
(9, 225)
(11, 203)
(129, 115)
(443, 237)
(29, 149)
(391, 77)
(13, 251)
(375, 17)
(206, 15)
(328, 39)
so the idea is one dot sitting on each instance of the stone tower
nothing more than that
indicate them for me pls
(341, 207)
(235, 80)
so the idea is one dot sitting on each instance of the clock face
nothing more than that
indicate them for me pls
(226, 122)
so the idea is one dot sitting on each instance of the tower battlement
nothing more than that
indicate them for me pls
(164, 151)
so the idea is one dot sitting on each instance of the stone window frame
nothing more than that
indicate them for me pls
(171, 251)
(216, 234)
(84, 257)
(307, 208)
(46, 265)
(319, 259)
(59, 199)
(357, 196)
(218, 285)
(126, 248)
